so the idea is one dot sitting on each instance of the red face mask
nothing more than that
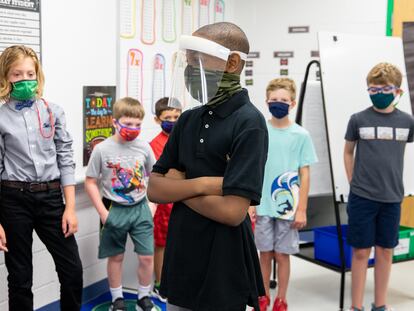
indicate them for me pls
(128, 133)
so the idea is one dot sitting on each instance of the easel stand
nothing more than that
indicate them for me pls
(307, 250)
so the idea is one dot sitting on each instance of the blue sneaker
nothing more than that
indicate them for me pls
(156, 294)
(382, 308)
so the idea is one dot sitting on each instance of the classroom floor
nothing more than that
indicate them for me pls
(314, 288)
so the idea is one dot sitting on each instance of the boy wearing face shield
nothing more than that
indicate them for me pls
(212, 169)
(380, 134)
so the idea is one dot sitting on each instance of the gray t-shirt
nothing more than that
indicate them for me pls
(122, 169)
(379, 159)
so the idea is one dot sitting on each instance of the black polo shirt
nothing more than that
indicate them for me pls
(208, 265)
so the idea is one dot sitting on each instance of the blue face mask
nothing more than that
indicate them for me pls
(279, 109)
(381, 100)
(167, 126)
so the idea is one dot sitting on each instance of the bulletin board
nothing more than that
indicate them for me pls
(20, 24)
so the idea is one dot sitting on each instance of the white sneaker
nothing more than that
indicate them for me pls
(155, 293)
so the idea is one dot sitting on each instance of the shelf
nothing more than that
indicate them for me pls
(306, 252)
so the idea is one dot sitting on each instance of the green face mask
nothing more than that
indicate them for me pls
(24, 89)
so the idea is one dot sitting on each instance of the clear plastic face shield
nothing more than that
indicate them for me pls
(198, 70)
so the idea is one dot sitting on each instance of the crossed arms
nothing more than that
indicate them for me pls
(203, 195)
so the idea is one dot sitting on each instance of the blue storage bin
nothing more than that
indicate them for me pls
(327, 247)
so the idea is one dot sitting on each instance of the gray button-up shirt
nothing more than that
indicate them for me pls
(26, 154)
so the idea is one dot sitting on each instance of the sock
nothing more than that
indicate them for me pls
(116, 293)
(143, 290)
(157, 284)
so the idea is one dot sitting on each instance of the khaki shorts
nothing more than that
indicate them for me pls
(276, 235)
(135, 221)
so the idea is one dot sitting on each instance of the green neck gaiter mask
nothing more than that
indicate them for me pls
(24, 89)
(229, 85)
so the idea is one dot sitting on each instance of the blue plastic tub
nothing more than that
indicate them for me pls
(327, 246)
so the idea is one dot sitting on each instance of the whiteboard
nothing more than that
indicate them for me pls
(313, 120)
(345, 62)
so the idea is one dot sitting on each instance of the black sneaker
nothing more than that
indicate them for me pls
(118, 305)
(156, 294)
(145, 304)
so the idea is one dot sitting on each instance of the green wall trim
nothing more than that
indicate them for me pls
(390, 11)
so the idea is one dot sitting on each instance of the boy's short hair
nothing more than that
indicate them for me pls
(226, 34)
(282, 83)
(385, 73)
(128, 107)
(162, 105)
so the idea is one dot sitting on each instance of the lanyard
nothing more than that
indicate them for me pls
(50, 120)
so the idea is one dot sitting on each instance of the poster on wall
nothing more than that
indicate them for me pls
(187, 17)
(97, 117)
(203, 13)
(219, 11)
(158, 80)
(148, 21)
(134, 74)
(127, 20)
(168, 21)
(20, 24)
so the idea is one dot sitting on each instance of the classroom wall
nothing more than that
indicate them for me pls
(266, 24)
(78, 48)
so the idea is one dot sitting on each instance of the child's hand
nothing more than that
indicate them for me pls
(3, 241)
(104, 216)
(252, 213)
(300, 220)
(69, 222)
(175, 174)
(212, 185)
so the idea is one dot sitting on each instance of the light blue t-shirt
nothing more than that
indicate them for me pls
(289, 149)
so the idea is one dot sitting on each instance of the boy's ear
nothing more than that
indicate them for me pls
(114, 122)
(234, 64)
(293, 104)
(157, 120)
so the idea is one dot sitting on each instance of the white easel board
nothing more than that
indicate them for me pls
(346, 60)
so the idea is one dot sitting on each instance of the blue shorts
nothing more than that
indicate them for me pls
(372, 223)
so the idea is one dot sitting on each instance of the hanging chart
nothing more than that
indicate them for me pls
(187, 17)
(158, 80)
(203, 13)
(134, 74)
(148, 21)
(218, 11)
(168, 21)
(127, 18)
